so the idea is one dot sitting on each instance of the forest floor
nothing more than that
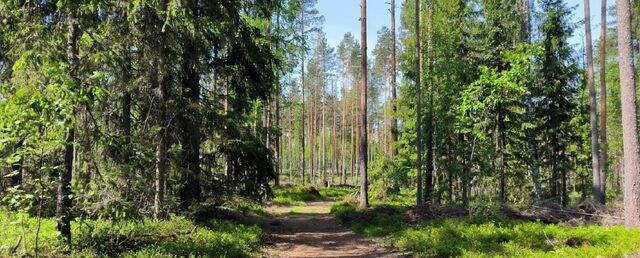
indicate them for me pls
(309, 230)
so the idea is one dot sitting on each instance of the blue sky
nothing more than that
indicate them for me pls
(342, 16)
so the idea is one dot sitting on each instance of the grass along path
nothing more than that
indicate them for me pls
(309, 230)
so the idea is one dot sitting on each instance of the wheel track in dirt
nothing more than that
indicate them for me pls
(310, 231)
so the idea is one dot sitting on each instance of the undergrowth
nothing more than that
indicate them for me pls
(299, 194)
(481, 237)
(174, 237)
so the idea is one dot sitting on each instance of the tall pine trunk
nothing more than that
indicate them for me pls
(364, 194)
(429, 174)
(334, 136)
(394, 108)
(302, 167)
(322, 130)
(418, 61)
(603, 101)
(343, 172)
(631, 193)
(593, 115)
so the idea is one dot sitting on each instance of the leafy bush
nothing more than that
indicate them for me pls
(484, 209)
(379, 221)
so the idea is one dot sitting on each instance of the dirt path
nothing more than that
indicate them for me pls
(310, 231)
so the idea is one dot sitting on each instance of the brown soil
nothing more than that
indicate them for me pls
(310, 231)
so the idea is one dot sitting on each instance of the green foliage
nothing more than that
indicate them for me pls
(485, 209)
(387, 178)
(491, 236)
(378, 222)
(508, 238)
(147, 238)
(298, 194)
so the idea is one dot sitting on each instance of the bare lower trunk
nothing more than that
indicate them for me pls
(394, 108)
(429, 174)
(364, 193)
(343, 172)
(302, 167)
(419, 200)
(277, 142)
(603, 101)
(501, 147)
(595, 156)
(160, 162)
(629, 119)
(64, 203)
(334, 136)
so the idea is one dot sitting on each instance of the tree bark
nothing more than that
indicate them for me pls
(429, 174)
(343, 177)
(603, 101)
(161, 148)
(501, 147)
(394, 107)
(334, 137)
(593, 113)
(364, 194)
(64, 203)
(631, 193)
(418, 105)
(190, 193)
(322, 127)
(277, 140)
(302, 89)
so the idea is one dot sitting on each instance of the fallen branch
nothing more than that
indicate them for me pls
(578, 213)
(13, 249)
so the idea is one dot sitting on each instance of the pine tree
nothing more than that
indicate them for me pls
(629, 119)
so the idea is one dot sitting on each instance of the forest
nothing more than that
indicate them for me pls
(234, 128)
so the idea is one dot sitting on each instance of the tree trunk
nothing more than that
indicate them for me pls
(343, 177)
(190, 193)
(322, 128)
(334, 136)
(603, 101)
(302, 168)
(161, 148)
(277, 141)
(312, 136)
(353, 134)
(364, 194)
(64, 203)
(501, 147)
(394, 107)
(418, 106)
(631, 187)
(429, 175)
(595, 154)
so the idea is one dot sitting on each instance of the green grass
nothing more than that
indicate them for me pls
(299, 194)
(467, 237)
(175, 237)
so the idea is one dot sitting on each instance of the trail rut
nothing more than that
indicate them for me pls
(310, 231)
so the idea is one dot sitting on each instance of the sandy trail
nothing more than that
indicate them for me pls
(310, 231)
